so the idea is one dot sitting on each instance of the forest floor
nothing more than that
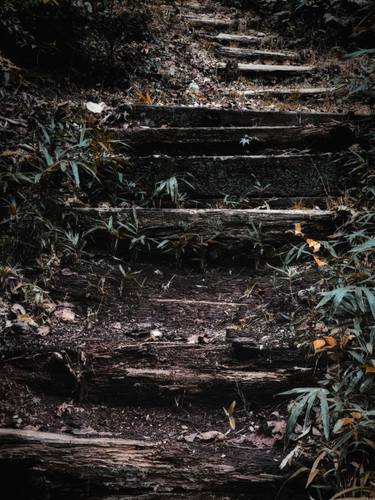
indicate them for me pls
(159, 353)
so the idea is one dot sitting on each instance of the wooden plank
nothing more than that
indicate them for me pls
(50, 465)
(233, 140)
(204, 116)
(253, 38)
(271, 69)
(289, 92)
(274, 226)
(136, 375)
(209, 21)
(243, 176)
(241, 53)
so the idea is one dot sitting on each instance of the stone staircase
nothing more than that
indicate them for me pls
(140, 391)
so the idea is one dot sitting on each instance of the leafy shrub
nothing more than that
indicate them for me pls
(343, 405)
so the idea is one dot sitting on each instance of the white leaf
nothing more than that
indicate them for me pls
(96, 108)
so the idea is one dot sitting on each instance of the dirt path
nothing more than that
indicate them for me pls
(124, 396)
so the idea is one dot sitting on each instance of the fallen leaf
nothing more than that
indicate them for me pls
(315, 245)
(211, 436)
(331, 341)
(320, 262)
(232, 422)
(144, 98)
(346, 421)
(17, 309)
(25, 318)
(356, 415)
(260, 440)
(49, 306)
(65, 314)
(298, 229)
(190, 438)
(156, 334)
(232, 408)
(370, 369)
(43, 330)
(344, 340)
(193, 339)
(96, 108)
(319, 344)
(278, 426)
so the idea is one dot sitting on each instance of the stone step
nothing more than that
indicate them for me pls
(231, 140)
(241, 53)
(262, 176)
(56, 465)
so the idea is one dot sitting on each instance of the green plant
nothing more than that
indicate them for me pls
(337, 417)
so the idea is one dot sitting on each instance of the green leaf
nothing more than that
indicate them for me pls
(364, 247)
(370, 299)
(75, 171)
(324, 409)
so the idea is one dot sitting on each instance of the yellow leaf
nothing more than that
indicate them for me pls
(370, 369)
(356, 415)
(144, 98)
(298, 229)
(232, 408)
(319, 344)
(25, 318)
(315, 245)
(320, 262)
(232, 422)
(331, 341)
(346, 421)
(344, 340)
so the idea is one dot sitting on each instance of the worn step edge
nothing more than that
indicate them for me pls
(232, 140)
(236, 225)
(62, 465)
(209, 21)
(297, 92)
(253, 38)
(241, 53)
(105, 378)
(270, 69)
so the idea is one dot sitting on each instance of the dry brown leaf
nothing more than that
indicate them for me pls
(331, 341)
(65, 314)
(17, 309)
(190, 438)
(370, 369)
(232, 422)
(315, 245)
(319, 344)
(25, 318)
(298, 229)
(44, 330)
(211, 436)
(320, 262)
(346, 421)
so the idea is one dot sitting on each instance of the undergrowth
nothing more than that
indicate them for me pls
(334, 422)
